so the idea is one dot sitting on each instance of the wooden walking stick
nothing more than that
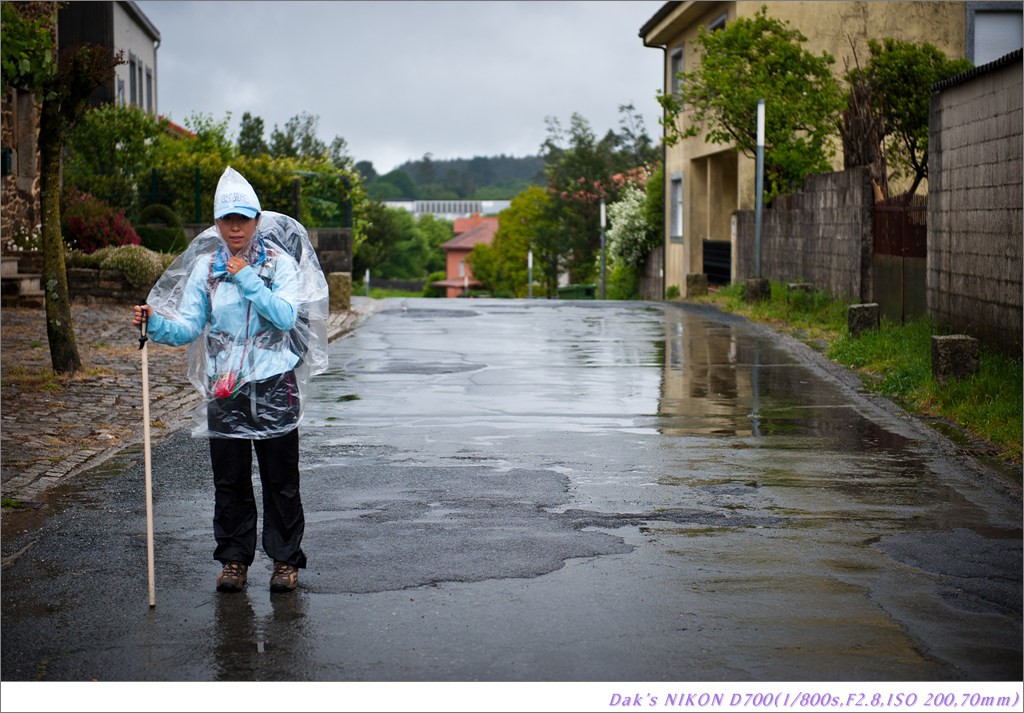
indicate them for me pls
(143, 338)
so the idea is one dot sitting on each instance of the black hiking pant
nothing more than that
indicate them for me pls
(235, 512)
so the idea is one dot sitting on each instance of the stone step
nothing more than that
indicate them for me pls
(8, 265)
(32, 300)
(21, 284)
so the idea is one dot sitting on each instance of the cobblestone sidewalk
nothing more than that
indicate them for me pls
(52, 427)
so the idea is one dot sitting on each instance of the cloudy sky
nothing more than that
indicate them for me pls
(399, 79)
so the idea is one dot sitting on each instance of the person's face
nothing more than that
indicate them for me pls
(237, 231)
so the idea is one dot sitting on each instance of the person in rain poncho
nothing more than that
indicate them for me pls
(250, 299)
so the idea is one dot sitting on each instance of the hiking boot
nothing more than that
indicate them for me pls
(232, 577)
(285, 577)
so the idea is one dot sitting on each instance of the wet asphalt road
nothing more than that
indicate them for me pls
(550, 491)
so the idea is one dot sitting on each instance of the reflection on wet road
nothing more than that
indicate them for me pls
(798, 514)
(552, 491)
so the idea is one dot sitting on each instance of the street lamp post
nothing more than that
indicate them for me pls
(759, 187)
(529, 272)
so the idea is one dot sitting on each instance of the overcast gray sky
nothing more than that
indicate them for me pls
(398, 79)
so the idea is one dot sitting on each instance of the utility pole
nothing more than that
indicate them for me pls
(602, 251)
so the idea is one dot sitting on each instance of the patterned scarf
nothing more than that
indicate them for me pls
(254, 254)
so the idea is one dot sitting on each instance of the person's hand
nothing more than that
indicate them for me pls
(235, 264)
(141, 314)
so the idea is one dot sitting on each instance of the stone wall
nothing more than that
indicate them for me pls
(820, 235)
(103, 286)
(653, 275)
(975, 203)
(19, 132)
(20, 212)
(333, 248)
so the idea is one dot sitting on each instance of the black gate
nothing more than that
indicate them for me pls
(899, 264)
(718, 261)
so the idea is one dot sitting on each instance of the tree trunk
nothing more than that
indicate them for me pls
(59, 330)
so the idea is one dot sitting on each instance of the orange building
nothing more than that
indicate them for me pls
(469, 232)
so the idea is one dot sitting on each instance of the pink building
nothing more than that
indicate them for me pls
(469, 232)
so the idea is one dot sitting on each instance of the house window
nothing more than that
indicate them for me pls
(149, 91)
(120, 92)
(718, 23)
(996, 33)
(675, 218)
(462, 268)
(132, 90)
(676, 67)
(140, 84)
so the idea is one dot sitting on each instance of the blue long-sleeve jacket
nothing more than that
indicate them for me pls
(249, 315)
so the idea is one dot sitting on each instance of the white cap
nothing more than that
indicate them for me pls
(234, 195)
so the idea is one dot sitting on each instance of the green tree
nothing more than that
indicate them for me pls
(901, 74)
(435, 192)
(637, 145)
(761, 58)
(581, 171)
(399, 246)
(250, 136)
(63, 85)
(386, 228)
(339, 155)
(458, 182)
(298, 138)
(110, 154)
(654, 206)
(366, 170)
(189, 168)
(423, 171)
(412, 259)
(211, 136)
(384, 191)
(435, 231)
(401, 181)
(503, 265)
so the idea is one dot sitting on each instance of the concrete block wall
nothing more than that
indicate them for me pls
(975, 231)
(820, 235)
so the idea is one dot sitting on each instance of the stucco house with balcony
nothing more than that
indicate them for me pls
(705, 182)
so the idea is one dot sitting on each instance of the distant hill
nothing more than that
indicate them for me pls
(478, 178)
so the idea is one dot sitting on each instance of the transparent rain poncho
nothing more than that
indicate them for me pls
(249, 361)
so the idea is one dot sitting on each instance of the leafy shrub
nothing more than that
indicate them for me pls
(672, 292)
(430, 290)
(141, 266)
(160, 229)
(166, 259)
(89, 224)
(76, 258)
(623, 282)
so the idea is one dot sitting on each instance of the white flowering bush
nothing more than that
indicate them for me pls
(628, 236)
(24, 240)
